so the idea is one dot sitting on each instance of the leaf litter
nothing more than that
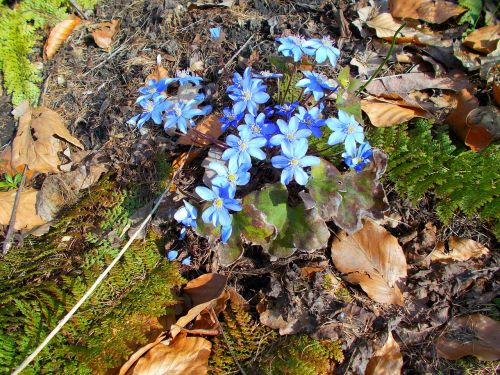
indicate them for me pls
(300, 290)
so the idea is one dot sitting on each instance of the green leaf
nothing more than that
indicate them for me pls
(473, 13)
(8, 178)
(297, 228)
(350, 103)
(344, 77)
(347, 199)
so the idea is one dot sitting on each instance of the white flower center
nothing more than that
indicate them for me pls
(350, 129)
(290, 136)
(327, 42)
(247, 94)
(243, 145)
(356, 161)
(152, 90)
(294, 162)
(230, 117)
(218, 203)
(231, 177)
(178, 111)
(182, 73)
(255, 129)
(149, 107)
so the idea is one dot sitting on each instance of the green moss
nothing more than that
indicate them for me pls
(19, 34)
(45, 277)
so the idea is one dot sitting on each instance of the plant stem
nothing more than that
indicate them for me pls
(383, 62)
(7, 244)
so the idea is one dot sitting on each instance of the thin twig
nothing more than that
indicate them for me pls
(236, 54)
(7, 243)
(383, 62)
(78, 9)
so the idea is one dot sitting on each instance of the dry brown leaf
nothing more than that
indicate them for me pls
(387, 360)
(35, 143)
(461, 249)
(183, 356)
(58, 35)
(383, 114)
(484, 40)
(157, 74)
(386, 26)
(476, 335)
(26, 216)
(474, 136)
(103, 37)
(209, 126)
(208, 294)
(433, 11)
(205, 288)
(372, 258)
(139, 353)
(402, 85)
(496, 93)
(179, 163)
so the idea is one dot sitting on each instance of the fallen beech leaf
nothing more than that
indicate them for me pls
(383, 114)
(372, 258)
(403, 84)
(26, 216)
(386, 26)
(35, 143)
(209, 126)
(433, 11)
(476, 137)
(215, 299)
(58, 35)
(461, 249)
(387, 360)
(139, 353)
(159, 72)
(496, 93)
(484, 39)
(103, 37)
(476, 335)
(205, 288)
(183, 356)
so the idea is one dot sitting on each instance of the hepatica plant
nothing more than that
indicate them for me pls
(262, 133)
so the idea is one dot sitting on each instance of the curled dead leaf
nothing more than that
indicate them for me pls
(37, 143)
(159, 72)
(475, 136)
(58, 35)
(103, 36)
(372, 258)
(432, 11)
(182, 356)
(476, 335)
(461, 249)
(26, 216)
(383, 114)
(484, 39)
(387, 360)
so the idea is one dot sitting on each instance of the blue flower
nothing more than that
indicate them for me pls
(290, 132)
(153, 89)
(360, 158)
(310, 120)
(186, 215)
(186, 261)
(242, 148)
(251, 94)
(293, 46)
(237, 78)
(286, 109)
(233, 175)
(172, 255)
(266, 74)
(185, 76)
(293, 161)
(180, 115)
(152, 108)
(345, 129)
(230, 118)
(214, 33)
(323, 49)
(223, 200)
(316, 84)
(257, 126)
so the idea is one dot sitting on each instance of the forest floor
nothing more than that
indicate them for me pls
(94, 91)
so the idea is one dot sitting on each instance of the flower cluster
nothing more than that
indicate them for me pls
(258, 131)
(174, 112)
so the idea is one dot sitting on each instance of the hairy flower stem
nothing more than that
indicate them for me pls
(289, 83)
(383, 62)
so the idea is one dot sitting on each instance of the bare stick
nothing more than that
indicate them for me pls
(7, 243)
(236, 54)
